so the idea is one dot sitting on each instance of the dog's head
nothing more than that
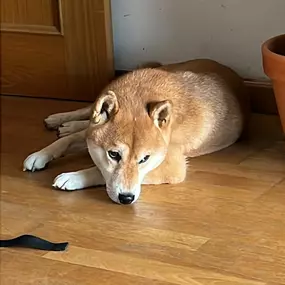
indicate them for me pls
(127, 140)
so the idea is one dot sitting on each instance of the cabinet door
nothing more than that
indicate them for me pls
(56, 48)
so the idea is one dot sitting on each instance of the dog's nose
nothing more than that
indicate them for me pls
(126, 198)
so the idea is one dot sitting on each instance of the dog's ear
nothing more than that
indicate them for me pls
(160, 113)
(104, 107)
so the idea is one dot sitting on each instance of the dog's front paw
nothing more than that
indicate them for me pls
(52, 122)
(69, 128)
(69, 181)
(36, 161)
(65, 129)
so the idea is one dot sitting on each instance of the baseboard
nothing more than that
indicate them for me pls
(120, 72)
(261, 95)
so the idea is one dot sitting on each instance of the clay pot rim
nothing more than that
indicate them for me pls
(267, 52)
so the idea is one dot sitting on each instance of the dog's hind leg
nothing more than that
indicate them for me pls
(171, 171)
(71, 127)
(40, 159)
(52, 122)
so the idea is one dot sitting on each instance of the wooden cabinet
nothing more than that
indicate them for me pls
(56, 48)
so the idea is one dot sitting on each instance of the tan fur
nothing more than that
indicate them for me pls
(209, 113)
(172, 112)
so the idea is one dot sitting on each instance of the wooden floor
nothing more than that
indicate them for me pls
(224, 225)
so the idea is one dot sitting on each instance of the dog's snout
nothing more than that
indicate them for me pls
(126, 198)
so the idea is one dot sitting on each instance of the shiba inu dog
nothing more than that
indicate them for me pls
(144, 125)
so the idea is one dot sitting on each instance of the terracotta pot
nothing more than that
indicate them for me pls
(273, 55)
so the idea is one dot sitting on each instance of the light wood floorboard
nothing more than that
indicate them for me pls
(224, 225)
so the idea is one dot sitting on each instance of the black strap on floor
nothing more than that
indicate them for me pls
(30, 241)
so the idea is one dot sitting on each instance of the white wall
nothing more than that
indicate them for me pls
(230, 31)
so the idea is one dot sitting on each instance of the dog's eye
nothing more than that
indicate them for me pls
(144, 159)
(114, 155)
